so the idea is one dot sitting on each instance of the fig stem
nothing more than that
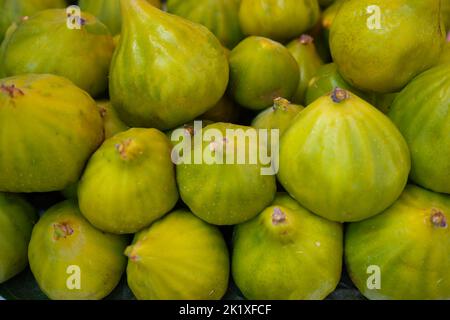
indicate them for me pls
(306, 39)
(338, 95)
(280, 104)
(11, 90)
(278, 216)
(62, 230)
(438, 218)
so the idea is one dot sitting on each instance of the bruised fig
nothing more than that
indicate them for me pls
(219, 16)
(304, 52)
(17, 218)
(166, 70)
(404, 252)
(44, 43)
(262, 70)
(111, 121)
(179, 257)
(72, 260)
(13, 10)
(278, 20)
(129, 182)
(108, 11)
(286, 252)
(49, 129)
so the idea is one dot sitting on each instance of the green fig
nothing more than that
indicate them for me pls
(279, 116)
(71, 192)
(224, 111)
(108, 11)
(179, 257)
(445, 56)
(343, 159)
(325, 80)
(422, 113)
(13, 10)
(262, 70)
(70, 259)
(278, 20)
(219, 16)
(220, 191)
(129, 182)
(380, 45)
(112, 124)
(49, 129)
(166, 70)
(308, 60)
(17, 218)
(403, 253)
(446, 13)
(44, 43)
(286, 252)
(328, 16)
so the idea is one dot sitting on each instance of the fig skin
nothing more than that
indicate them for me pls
(63, 238)
(55, 130)
(129, 182)
(166, 70)
(44, 44)
(409, 243)
(384, 58)
(17, 218)
(179, 257)
(310, 248)
(262, 70)
(343, 159)
(112, 124)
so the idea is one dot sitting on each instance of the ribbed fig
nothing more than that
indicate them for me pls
(286, 252)
(219, 16)
(72, 260)
(403, 253)
(262, 70)
(108, 11)
(278, 20)
(343, 159)
(129, 182)
(44, 43)
(49, 129)
(166, 70)
(422, 113)
(179, 257)
(17, 218)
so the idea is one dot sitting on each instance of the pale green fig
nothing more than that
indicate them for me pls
(219, 188)
(219, 16)
(304, 52)
(404, 252)
(72, 260)
(380, 45)
(44, 43)
(13, 10)
(166, 70)
(179, 257)
(108, 11)
(49, 129)
(343, 159)
(129, 182)
(262, 70)
(112, 124)
(17, 218)
(286, 252)
(278, 20)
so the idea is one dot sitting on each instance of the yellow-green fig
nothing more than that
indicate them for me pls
(72, 260)
(13, 10)
(129, 182)
(166, 70)
(49, 128)
(403, 253)
(343, 159)
(108, 11)
(46, 42)
(112, 124)
(179, 257)
(286, 252)
(278, 19)
(381, 45)
(17, 218)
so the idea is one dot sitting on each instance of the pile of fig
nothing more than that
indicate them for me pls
(193, 146)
